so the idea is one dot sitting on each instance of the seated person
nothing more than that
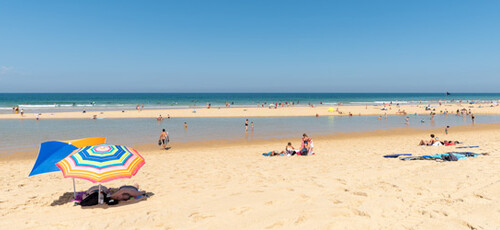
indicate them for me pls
(125, 192)
(306, 146)
(429, 142)
(290, 150)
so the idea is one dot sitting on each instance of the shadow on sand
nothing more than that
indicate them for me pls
(68, 197)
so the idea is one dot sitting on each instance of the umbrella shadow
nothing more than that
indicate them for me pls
(121, 203)
(65, 198)
(167, 148)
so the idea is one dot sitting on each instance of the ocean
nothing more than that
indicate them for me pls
(43, 102)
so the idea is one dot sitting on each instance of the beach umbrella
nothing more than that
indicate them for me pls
(52, 152)
(101, 163)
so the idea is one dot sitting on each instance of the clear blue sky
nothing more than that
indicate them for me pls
(249, 46)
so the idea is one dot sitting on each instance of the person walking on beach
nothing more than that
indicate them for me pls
(164, 138)
(246, 125)
(22, 112)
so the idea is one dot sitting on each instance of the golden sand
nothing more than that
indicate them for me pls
(264, 112)
(218, 185)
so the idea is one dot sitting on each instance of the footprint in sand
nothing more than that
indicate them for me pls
(360, 213)
(197, 217)
(300, 219)
(360, 193)
(277, 224)
(304, 196)
(481, 196)
(242, 210)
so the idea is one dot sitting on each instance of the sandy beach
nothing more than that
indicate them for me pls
(321, 110)
(219, 185)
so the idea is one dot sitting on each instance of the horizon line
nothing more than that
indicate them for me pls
(247, 92)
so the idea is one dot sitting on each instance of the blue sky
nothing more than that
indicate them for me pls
(249, 46)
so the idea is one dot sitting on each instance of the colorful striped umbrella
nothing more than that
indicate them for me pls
(101, 163)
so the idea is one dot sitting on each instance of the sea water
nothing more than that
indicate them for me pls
(26, 135)
(53, 102)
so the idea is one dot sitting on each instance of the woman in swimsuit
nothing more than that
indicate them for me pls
(306, 145)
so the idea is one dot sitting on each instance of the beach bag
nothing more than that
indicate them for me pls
(303, 152)
(93, 199)
(159, 142)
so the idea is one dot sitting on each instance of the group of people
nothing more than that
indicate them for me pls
(306, 148)
(246, 125)
(109, 196)
(17, 110)
(160, 118)
(434, 141)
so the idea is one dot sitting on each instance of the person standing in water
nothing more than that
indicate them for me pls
(164, 138)
(246, 125)
(251, 125)
(185, 125)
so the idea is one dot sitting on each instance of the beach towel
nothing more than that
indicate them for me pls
(411, 158)
(467, 147)
(397, 155)
(450, 156)
(268, 154)
(437, 143)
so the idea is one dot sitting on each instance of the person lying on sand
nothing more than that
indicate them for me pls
(448, 143)
(125, 192)
(94, 189)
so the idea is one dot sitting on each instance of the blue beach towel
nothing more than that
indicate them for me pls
(397, 155)
(467, 147)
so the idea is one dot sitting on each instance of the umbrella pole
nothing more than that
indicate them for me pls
(99, 195)
(74, 188)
